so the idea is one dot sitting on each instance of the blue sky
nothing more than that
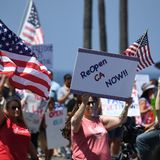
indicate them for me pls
(62, 23)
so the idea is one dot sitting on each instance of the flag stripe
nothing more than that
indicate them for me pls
(141, 66)
(29, 72)
(149, 55)
(30, 85)
(146, 57)
(7, 66)
(26, 61)
(141, 56)
(31, 31)
(29, 67)
(140, 49)
(28, 37)
(30, 28)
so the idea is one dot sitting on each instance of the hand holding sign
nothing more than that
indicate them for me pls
(129, 101)
(85, 98)
(104, 74)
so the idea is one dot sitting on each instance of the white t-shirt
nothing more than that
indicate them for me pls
(62, 92)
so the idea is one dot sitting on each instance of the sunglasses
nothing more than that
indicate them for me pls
(91, 102)
(14, 107)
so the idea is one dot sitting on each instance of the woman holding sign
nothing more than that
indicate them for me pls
(89, 131)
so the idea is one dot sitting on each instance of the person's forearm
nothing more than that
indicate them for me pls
(63, 99)
(2, 81)
(123, 114)
(144, 111)
(76, 119)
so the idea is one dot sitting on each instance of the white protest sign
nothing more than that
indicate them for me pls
(103, 74)
(114, 107)
(134, 110)
(55, 122)
(32, 121)
(34, 103)
(140, 80)
(33, 110)
(44, 53)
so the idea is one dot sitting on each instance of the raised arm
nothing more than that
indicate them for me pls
(111, 122)
(77, 117)
(2, 81)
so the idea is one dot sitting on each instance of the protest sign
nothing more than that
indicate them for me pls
(32, 121)
(104, 74)
(33, 110)
(114, 107)
(44, 53)
(55, 122)
(140, 80)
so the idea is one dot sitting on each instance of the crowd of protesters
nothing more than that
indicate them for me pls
(15, 138)
(89, 132)
(82, 122)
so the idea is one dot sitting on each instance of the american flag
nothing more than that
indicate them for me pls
(140, 49)
(31, 31)
(7, 66)
(30, 73)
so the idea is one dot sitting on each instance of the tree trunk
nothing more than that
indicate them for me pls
(87, 37)
(123, 25)
(102, 27)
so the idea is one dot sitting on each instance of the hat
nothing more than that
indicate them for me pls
(146, 86)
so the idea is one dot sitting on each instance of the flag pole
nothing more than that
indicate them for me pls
(143, 36)
(24, 16)
(142, 40)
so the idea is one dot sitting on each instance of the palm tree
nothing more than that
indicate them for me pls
(87, 37)
(157, 65)
(102, 27)
(123, 25)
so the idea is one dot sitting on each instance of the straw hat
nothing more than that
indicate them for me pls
(147, 86)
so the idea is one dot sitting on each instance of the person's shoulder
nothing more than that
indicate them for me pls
(55, 83)
(62, 88)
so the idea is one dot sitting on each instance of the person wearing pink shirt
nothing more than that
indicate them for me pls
(89, 130)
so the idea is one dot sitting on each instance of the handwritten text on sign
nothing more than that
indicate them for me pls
(104, 74)
(44, 53)
(55, 122)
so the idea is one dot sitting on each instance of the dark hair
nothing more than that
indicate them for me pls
(16, 99)
(66, 131)
(12, 98)
(67, 76)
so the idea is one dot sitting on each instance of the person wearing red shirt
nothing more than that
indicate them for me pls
(15, 138)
